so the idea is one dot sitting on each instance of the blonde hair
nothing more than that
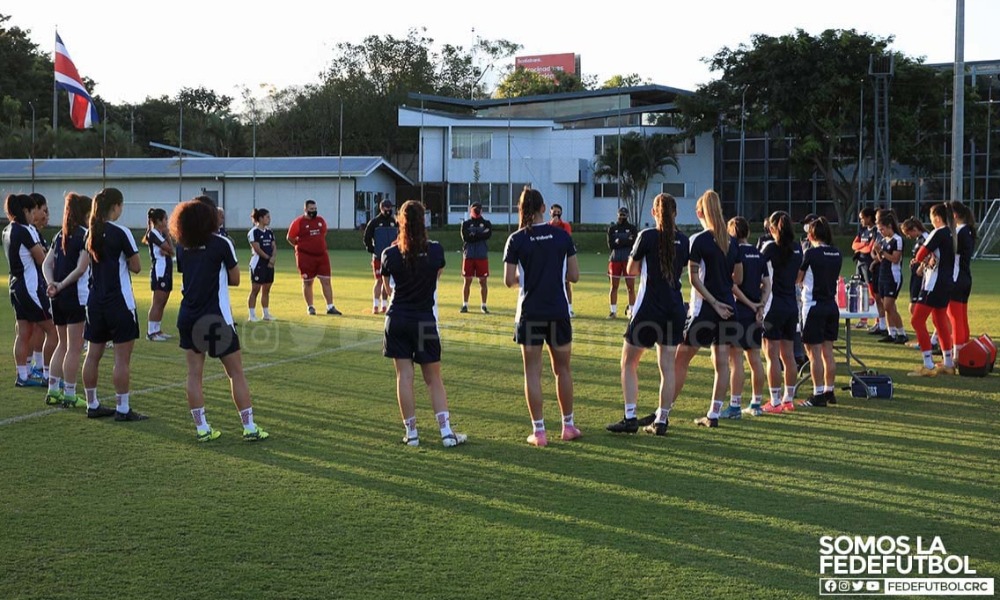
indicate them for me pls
(711, 209)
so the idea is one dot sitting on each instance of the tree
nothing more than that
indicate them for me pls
(639, 160)
(807, 87)
(623, 81)
(521, 82)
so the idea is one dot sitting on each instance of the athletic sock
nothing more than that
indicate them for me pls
(631, 309)
(789, 394)
(329, 306)
(614, 309)
(570, 307)
(818, 390)
(92, 401)
(411, 428)
(153, 327)
(934, 339)
(630, 411)
(538, 425)
(756, 400)
(713, 413)
(662, 414)
(246, 416)
(735, 400)
(928, 360)
(776, 396)
(253, 313)
(949, 359)
(465, 305)
(267, 313)
(121, 403)
(444, 423)
(567, 420)
(198, 414)
(45, 371)
(70, 390)
(53, 384)
(23, 372)
(37, 358)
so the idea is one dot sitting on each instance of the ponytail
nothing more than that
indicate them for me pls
(964, 214)
(914, 223)
(665, 211)
(153, 215)
(888, 219)
(75, 214)
(257, 214)
(104, 201)
(821, 232)
(531, 204)
(17, 206)
(412, 238)
(711, 210)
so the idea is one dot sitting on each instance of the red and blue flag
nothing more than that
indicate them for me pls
(81, 105)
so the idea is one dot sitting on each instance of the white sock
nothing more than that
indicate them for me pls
(444, 423)
(198, 414)
(776, 396)
(121, 402)
(153, 327)
(37, 359)
(70, 390)
(253, 313)
(789, 393)
(568, 420)
(91, 394)
(53, 384)
(756, 400)
(630, 411)
(246, 416)
(538, 425)
(934, 339)
(570, 307)
(23, 372)
(329, 306)
(662, 414)
(465, 305)
(928, 360)
(411, 428)
(713, 413)
(735, 399)
(267, 313)
(949, 357)
(614, 309)
(818, 390)
(631, 309)
(45, 371)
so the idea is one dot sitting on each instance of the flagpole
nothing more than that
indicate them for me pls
(55, 105)
(180, 159)
(104, 149)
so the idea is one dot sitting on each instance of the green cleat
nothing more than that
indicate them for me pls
(74, 401)
(257, 435)
(54, 398)
(209, 435)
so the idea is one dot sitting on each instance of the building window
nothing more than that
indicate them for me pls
(605, 190)
(685, 146)
(469, 143)
(494, 197)
(677, 190)
(603, 142)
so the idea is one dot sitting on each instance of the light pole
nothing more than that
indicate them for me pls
(340, 161)
(32, 146)
(958, 104)
(743, 139)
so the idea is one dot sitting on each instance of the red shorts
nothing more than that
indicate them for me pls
(312, 265)
(475, 267)
(617, 269)
(377, 268)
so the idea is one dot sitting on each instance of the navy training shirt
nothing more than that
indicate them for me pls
(475, 233)
(540, 253)
(821, 265)
(715, 268)
(682, 255)
(754, 271)
(656, 295)
(966, 246)
(264, 238)
(110, 277)
(784, 272)
(65, 263)
(414, 290)
(206, 279)
(888, 270)
(18, 240)
(621, 238)
(942, 277)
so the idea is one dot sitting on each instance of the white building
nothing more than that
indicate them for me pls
(345, 193)
(487, 150)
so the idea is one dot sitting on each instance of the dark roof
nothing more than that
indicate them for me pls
(641, 96)
(234, 168)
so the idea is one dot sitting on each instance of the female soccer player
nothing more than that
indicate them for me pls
(958, 306)
(557, 221)
(43, 340)
(658, 319)
(818, 276)
(714, 267)
(752, 295)
(888, 256)
(880, 327)
(265, 251)
(863, 244)
(66, 269)
(31, 305)
(161, 270)
(915, 230)
(539, 259)
(937, 256)
(413, 265)
(205, 318)
(781, 313)
(111, 315)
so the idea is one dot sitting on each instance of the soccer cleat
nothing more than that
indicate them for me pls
(464, 309)
(923, 372)
(772, 409)
(624, 426)
(754, 410)
(813, 402)
(454, 439)
(29, 382)
(862, 324)
(270, 318)
(74, 401)
(53, 398)
(943, 370)
(382, 310)
(411, 441)
(131, 415)
(157, 336)
(875, 330)
(257, 435)
(37, 373)
(706, 422)
(612, 315)
(788, 406)
(570, 432)
(311, 310)
(657, 428)
(538, 439)
(333, 311)
(887, 339)
(100, 411)
(647, 420)
(829, 397)
(731, 412)
(902, 339)
(484, 310)
(208, 436)
(252, 319)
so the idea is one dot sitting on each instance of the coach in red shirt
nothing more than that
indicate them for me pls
(307, 234)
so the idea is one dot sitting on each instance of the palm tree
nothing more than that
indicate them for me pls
(639, 160)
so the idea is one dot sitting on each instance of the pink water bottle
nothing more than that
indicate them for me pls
(841, 293)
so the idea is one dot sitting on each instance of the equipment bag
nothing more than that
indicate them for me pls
(877, 386)
(974, 359)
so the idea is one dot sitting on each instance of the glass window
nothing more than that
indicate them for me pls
(471, 143)
(606, 190)
(685, 146)
(458, 197)
(602, 142)
(677, 190)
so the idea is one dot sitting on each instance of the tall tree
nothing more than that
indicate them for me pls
(635, 164)
(521, 82)
(807, 87)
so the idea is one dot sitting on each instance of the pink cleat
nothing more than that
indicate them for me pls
(788, 406)
(538, 439)
(570, 432)
(773, 409)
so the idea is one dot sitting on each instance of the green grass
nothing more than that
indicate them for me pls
(333, 506)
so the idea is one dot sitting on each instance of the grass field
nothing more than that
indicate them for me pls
(333, 506)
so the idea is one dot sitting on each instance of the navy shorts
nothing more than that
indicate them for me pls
(646, 331)
(554, 332)
(162, 283)
(207, 334)
(888, 287)
(707, 328)
(781, 322)
(28, 306)
(111, 323)
(962, 290)
(822, 323)
(262, 273)
(751, 333)
(936, 298)
(68, 311)
(412, 337)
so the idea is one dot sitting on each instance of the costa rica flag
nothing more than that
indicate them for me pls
(81, 105)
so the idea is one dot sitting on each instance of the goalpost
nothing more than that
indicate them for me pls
(989, 233)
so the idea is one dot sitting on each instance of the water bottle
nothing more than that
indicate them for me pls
(841, 293)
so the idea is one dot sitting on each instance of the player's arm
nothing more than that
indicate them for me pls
(510, 275)
(487, 231)
(467, 235)
(634, 267)
(572, 269)
(49, 266)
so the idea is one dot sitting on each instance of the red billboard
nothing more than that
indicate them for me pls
(545, 64)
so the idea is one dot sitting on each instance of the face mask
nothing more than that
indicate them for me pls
(312, 213)
(622, 219)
